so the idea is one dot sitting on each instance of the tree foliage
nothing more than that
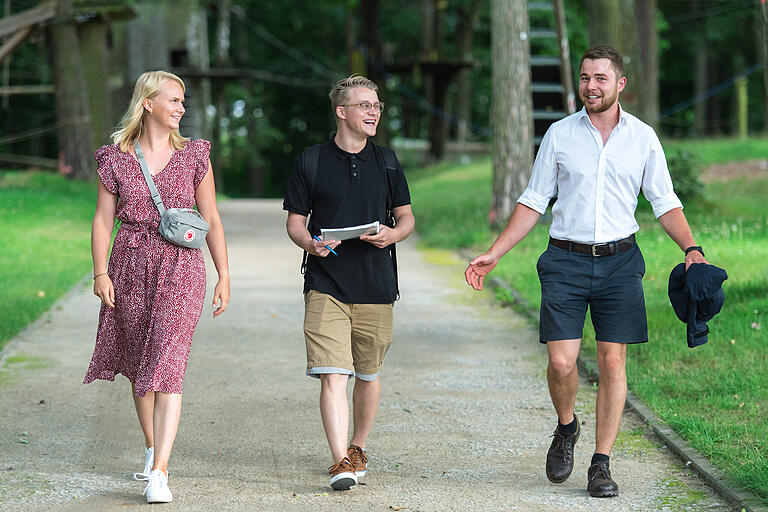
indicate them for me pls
(300, 47)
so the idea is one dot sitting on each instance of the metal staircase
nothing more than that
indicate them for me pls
(551, 78)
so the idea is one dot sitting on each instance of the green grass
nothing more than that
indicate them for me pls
(715, 396)
(45, 221)
(722, 149)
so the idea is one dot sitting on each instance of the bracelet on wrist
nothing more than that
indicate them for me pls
(694, 248)
(99, 275)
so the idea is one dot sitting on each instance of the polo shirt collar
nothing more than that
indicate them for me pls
(344, 155)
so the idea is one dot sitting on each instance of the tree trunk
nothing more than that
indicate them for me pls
(93, 51)
(764, 16)
(511, 106)
(199, 92)
(6, 68)
(72, 109)
(604, 22)
(369, 19)
(700, 75)
(221, 60)
(467, 17)
(356, 62)
(648, 69)
(612, 23)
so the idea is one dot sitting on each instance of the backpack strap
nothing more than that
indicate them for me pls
(310, 162)
(391, 164)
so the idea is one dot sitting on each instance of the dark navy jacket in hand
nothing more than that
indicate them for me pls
(697, 296)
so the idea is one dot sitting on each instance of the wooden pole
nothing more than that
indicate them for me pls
(566, 75)
(742, 108)
(7, 48)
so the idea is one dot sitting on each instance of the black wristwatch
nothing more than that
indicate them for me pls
(695, 248)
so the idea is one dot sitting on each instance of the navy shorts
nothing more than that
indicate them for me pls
(612, 286)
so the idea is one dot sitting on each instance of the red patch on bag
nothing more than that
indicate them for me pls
(189, 235)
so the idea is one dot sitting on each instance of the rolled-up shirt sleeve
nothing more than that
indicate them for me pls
(657, 183)
(543, 183)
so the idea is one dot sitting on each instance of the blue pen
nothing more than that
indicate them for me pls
(318, 239)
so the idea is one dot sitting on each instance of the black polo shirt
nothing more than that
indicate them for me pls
(348, 190)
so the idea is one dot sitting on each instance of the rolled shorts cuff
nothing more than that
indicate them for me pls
(368, 377)
(621, 342)
(316, 371)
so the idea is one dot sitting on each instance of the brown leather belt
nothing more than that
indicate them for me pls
(596, 249)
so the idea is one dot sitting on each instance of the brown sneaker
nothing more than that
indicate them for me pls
(359, 460)
(342, 475)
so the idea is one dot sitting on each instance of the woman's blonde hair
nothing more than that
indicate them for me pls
(147, 86)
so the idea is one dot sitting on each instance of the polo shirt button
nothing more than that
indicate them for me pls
(354, 165)
(354, 174)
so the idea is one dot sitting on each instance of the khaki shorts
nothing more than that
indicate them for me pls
(349, 339)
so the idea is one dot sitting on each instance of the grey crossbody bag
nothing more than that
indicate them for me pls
(181, 226)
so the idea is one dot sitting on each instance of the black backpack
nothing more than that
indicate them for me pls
(310, 162)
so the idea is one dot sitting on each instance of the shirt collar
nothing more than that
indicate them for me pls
(344, 155)
(622, 116)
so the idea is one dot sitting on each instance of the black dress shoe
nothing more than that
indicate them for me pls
(560, 454)
(599, 481)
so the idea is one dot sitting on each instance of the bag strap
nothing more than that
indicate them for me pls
(148, 178)
(391, 164)
(310, 162)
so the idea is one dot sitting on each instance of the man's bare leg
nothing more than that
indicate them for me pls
(365, 401)
(611, 393)
(334, 411)
(563, 377)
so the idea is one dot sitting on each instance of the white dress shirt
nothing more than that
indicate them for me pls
(597, 185)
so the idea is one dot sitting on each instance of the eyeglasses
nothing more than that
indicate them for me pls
(366, 106)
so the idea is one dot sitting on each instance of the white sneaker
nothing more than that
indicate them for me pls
(149, 461)
(157, 490)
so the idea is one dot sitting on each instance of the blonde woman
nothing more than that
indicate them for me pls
(152, 292)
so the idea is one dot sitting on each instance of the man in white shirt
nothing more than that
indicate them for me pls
(596, 162)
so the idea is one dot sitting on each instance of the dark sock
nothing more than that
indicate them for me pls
(569, 428)
(600, 457)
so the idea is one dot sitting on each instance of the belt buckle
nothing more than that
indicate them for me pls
(595, 247)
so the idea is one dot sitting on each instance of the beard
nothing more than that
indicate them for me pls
(605, 103)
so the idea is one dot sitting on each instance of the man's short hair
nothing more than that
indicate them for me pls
(606, 52)
(340, 90)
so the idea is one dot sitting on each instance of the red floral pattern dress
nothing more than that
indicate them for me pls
(159, 286)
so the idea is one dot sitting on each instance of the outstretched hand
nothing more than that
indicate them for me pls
(479, 268)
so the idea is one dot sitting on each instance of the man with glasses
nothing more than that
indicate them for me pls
(349, 287)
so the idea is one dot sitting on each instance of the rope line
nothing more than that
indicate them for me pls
(710, 92)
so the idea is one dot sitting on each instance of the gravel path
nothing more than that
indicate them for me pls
(464, 422)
